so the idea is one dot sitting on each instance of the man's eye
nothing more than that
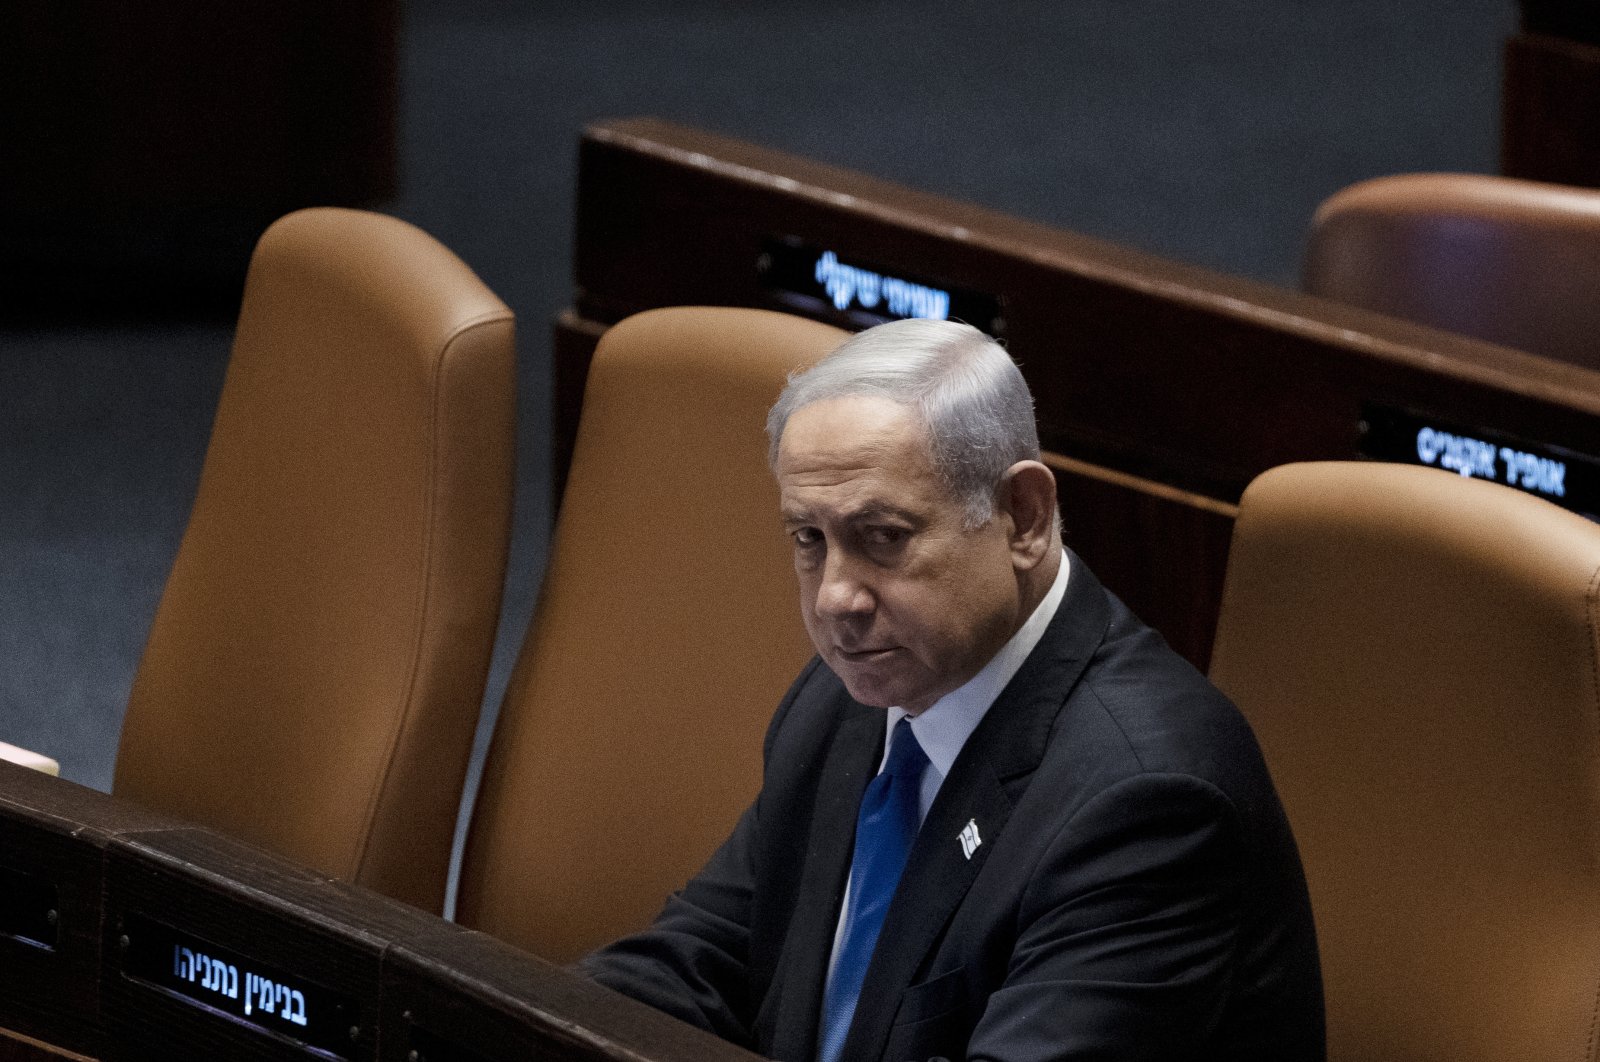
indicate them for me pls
(886, 536)
(806, 536)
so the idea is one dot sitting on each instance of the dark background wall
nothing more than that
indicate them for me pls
(1206, 132)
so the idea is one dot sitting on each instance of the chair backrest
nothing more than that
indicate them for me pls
(314, 673)
(668, 628)
(1418, 655)
(1508, 261)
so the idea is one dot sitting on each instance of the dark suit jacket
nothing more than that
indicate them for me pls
(1136, 895)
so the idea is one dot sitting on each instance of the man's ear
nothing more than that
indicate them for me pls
(1028, 493)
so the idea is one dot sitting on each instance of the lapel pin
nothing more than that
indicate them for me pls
(969, 838)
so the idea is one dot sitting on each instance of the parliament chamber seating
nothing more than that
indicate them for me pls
(1418, 656)
(314, 672)
(1508, 261)
(1162, 391)
(667, 630)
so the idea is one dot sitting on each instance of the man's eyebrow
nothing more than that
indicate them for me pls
(868, 510)
(880, 510)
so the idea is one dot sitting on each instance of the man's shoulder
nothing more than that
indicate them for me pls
(1139, 703)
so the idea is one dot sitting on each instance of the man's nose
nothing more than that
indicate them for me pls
(841, 591)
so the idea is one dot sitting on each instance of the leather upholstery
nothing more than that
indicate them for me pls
(1504, 260)
(1418, 655)
(313, 676)
(668, 628)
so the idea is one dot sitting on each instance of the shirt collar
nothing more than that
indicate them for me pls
(947, 723)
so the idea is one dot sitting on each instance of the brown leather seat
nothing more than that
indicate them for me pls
(1417, 653)
(313, 676)
(1509, 261)
(668, 628)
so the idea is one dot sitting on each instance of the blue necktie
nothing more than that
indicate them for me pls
(885, 827)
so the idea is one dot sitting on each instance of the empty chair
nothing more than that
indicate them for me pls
(667, 630)
(1418, 655)
(1508, 261)
(312, 679)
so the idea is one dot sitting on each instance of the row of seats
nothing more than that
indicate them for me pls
(313, 676)
(1417, 651)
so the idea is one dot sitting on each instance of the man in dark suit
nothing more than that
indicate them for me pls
(1000, 819)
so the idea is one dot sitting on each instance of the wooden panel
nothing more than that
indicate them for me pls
(152, 143)
(405, 979)
(53, 836)
(1550, 110)
(504, 1008)
(1163, 551)
(286, 925)
(1577, 20)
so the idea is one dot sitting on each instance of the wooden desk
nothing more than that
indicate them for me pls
(1164, 388)
(126, 935)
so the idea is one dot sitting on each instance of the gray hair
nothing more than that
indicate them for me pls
(963, 386)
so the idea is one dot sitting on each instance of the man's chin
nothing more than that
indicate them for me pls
(869, 688)
(864, 688)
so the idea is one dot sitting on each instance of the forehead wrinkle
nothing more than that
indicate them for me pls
(838, 459)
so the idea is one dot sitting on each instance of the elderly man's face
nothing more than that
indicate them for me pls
(902, 601)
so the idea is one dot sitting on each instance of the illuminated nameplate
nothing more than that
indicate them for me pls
(817, 280)
(1565, 477)
(27, 908)
(237, 988)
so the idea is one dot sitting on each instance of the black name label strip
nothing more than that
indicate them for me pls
(820, 280)
(232, 984)
(1565, 477)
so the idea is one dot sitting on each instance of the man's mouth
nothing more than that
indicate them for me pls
(859, 656)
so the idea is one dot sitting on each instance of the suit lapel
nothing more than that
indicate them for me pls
(993, 767)
(851, 762)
